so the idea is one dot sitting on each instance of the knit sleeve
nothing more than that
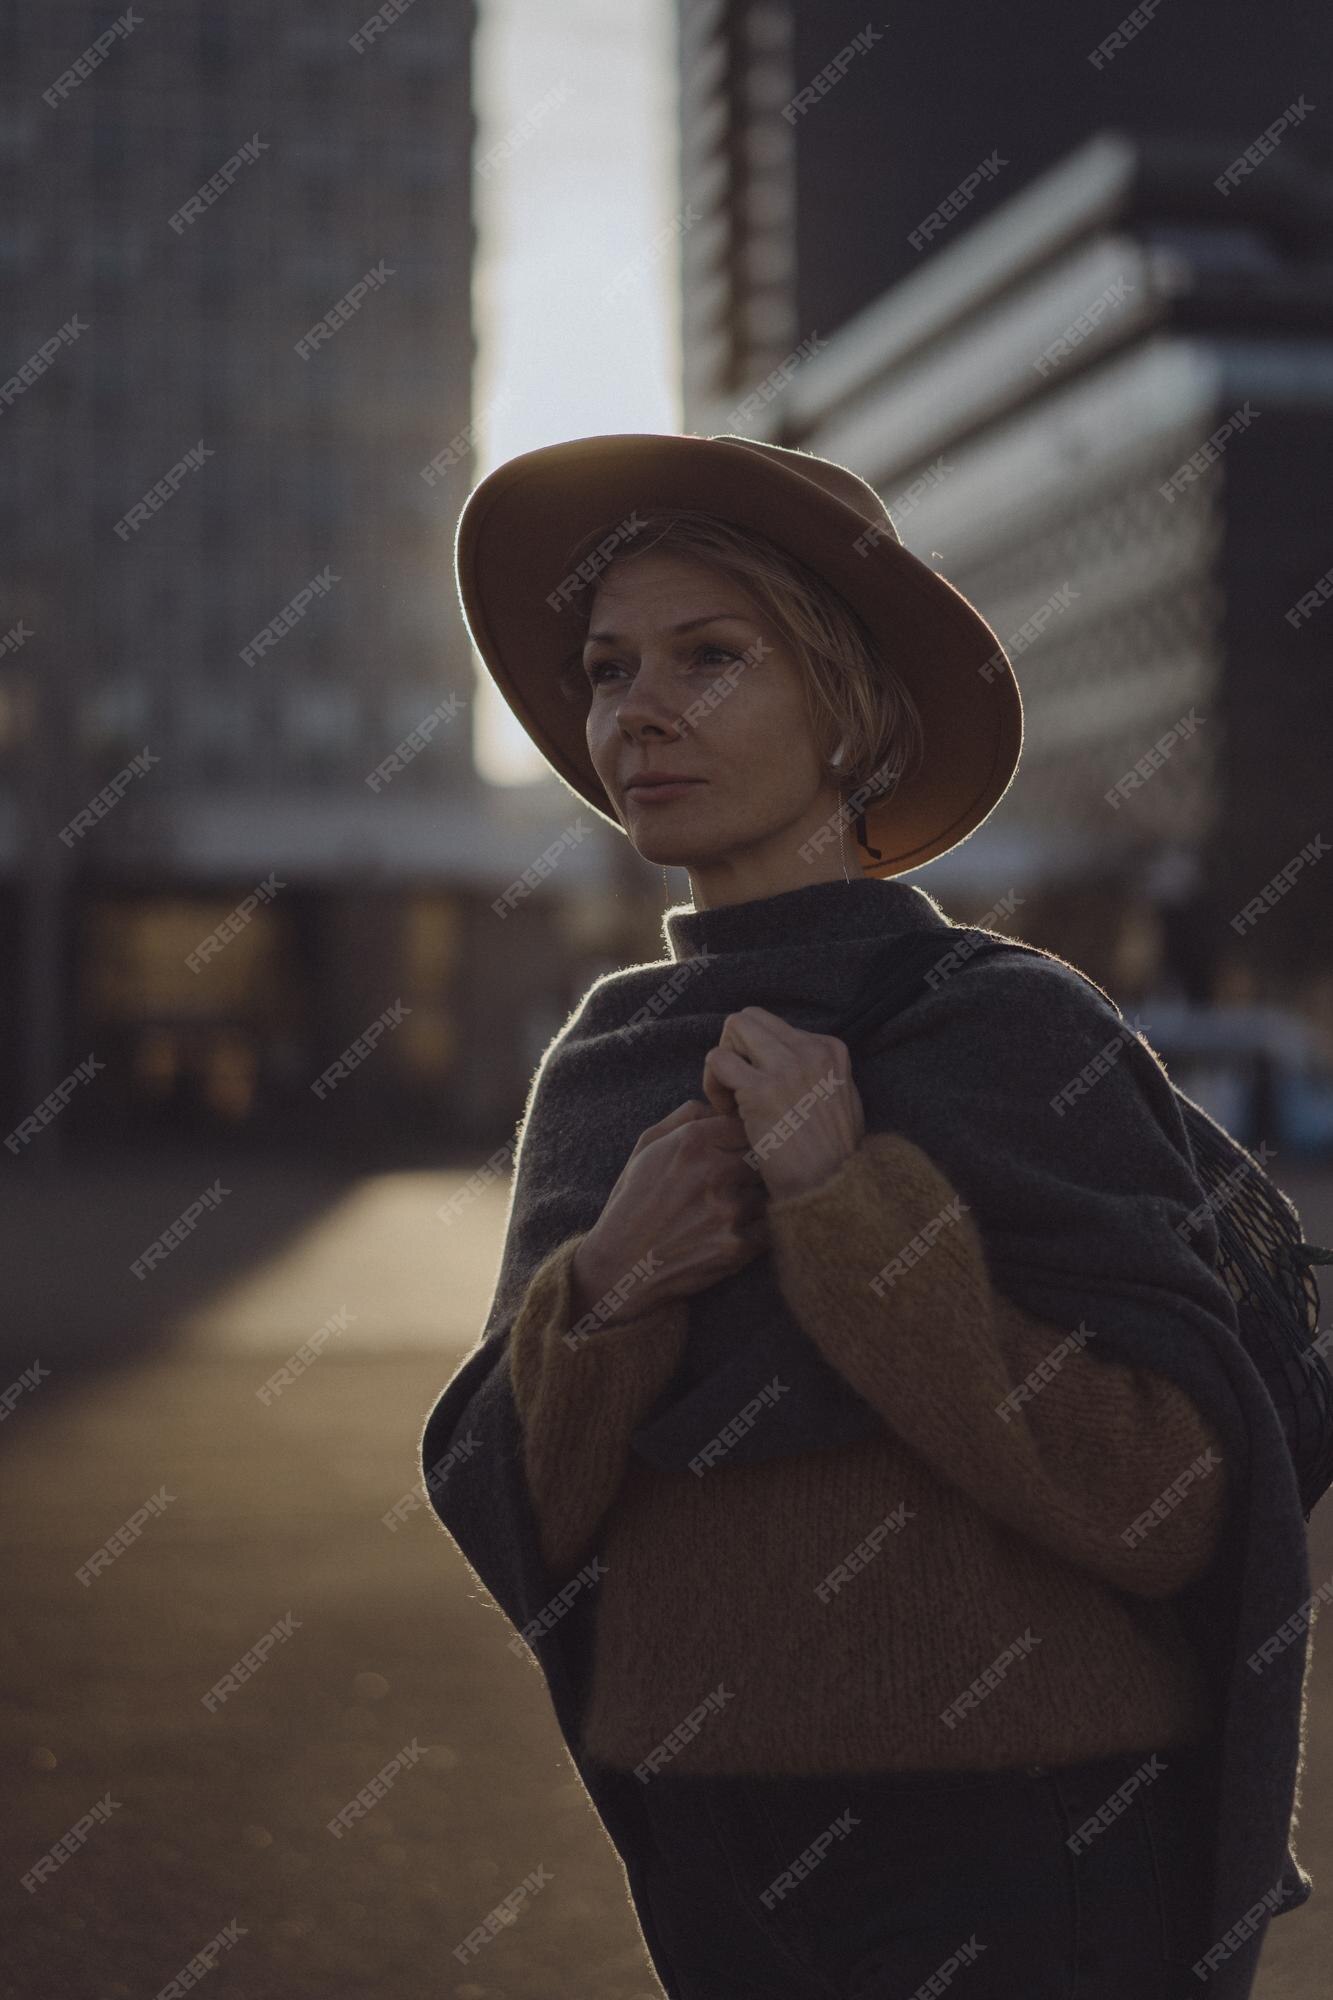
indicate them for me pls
(580, 1392)
(1113, 1468)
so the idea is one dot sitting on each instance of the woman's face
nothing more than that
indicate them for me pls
(720, 703)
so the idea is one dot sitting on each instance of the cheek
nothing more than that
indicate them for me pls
(771, 721)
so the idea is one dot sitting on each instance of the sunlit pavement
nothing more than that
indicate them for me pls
(266, 1525)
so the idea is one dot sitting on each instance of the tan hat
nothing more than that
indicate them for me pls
(523, 524)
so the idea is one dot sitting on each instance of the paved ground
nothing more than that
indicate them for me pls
(273, 1525)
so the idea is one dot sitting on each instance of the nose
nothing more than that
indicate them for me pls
(648, 705)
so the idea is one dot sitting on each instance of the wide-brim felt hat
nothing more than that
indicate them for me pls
(524, 524)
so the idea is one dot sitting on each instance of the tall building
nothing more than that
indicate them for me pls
(239, 818)
(1075, 325)
(820, 146)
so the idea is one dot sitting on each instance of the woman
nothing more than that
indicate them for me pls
(871, 1660)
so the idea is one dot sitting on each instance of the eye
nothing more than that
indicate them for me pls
(595, 670)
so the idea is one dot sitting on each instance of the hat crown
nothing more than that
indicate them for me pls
(836, 480)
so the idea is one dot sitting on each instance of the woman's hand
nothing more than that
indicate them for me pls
(794, 1094)
(686, 1211)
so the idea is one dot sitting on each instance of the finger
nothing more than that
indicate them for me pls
(755, 1031)
(739, 1165)
(693, 1107)
(728, 1070)
(719, 1097)
(683, 1114)
(762, 1035)
(727, 1132)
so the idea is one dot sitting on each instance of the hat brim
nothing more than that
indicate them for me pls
(522, 522)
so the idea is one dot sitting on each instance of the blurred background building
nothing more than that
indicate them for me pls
(336, 469)
(1011, 284)
(1007, 277)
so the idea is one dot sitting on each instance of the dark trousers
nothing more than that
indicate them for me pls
(1047, 1883)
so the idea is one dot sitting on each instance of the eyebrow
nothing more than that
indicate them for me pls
(686, 625)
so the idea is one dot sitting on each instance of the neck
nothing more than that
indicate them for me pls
(741, 881)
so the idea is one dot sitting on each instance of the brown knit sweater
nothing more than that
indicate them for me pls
(969, 1590)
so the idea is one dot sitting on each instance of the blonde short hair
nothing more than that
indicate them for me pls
(852, 691)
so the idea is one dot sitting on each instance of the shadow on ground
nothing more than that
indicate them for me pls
(218, 1811)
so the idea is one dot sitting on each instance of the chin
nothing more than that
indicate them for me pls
(665, 845)
(667, 853)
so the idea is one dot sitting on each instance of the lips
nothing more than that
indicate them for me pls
(661, 791)
(657, 784)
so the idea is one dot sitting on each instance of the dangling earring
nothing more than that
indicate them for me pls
(666, 891)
